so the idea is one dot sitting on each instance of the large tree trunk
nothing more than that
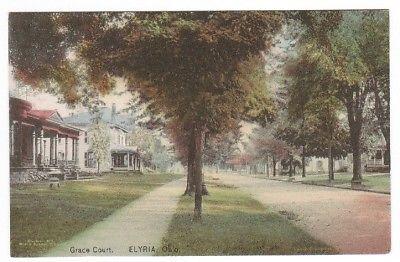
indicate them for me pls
(290, 166)
(303, 161)
(386, 156)
(330, 165)
(303, 147)
(354, 100)
(198, 172)
(189, 181)
(357, 177)
(190, 185)
(273, 166)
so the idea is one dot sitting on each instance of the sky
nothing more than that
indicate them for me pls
(42, 100)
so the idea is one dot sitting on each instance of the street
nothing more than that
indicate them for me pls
(353, 222)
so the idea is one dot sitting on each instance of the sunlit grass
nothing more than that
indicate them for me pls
(42, 217)
(376, 182)
(235, 224)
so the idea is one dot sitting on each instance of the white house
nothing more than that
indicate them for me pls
(122, 155)
(319, 165)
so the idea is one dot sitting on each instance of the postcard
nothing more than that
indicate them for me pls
(199, 133)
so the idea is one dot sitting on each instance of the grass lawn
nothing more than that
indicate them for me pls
(235, 224)
(376, 182)
(42, 217)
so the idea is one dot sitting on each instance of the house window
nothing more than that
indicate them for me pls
(319, 166)
(86, 138)
(378, 154)
(90, 162)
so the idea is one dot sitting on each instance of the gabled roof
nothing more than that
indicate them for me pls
(85, 118)
(46, 115)
(50, 120)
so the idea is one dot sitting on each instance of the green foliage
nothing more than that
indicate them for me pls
(265, 143)
(313, 112)
(145, 141)
(339, 71)
(99, 142)
(185, 64)
(36, 45)
(220, 148)
(259, 104)
(162, 157)
(353, 53)
(152, 152)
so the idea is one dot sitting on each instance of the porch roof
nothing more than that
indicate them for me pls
(49, 120)
(124, 149)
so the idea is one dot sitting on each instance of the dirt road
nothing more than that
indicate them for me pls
(350, 221)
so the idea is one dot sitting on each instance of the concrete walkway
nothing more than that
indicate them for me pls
(134, 230)
(350, 221)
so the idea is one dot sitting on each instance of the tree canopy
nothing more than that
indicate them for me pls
(201, 73)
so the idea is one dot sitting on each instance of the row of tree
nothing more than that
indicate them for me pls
(337, 71)
(204, 72)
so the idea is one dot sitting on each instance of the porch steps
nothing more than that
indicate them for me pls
(86, 176)
(79, 176)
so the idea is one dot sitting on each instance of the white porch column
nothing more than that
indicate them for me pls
(127, 159)
(73, 150)
(51, 150)
(77, 151)
(44, 151)
(34, 147)
(12, 139)
(41, 147)
(20, 142)
(56, 149)
(66, 150)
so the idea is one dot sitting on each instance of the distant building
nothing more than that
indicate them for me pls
(239, 162)
(319, 165)
(374, 160)
(123, 156)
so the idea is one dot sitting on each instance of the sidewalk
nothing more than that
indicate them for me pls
(134, 230)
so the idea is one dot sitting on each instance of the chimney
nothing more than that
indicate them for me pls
(113, 113)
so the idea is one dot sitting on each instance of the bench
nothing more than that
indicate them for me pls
(54, 181)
